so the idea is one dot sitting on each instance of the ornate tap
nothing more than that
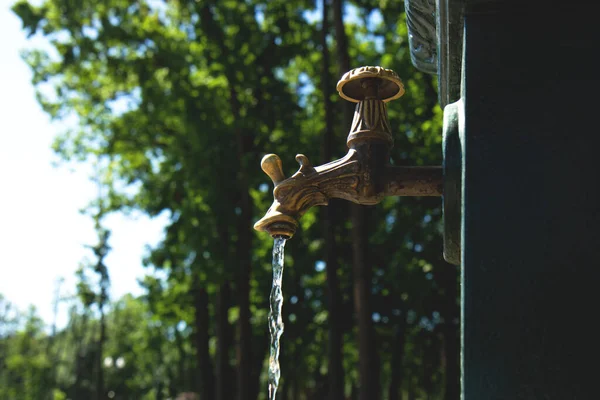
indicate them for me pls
(364, 175)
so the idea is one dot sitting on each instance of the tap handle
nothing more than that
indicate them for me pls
(354, 85)
(271, 164)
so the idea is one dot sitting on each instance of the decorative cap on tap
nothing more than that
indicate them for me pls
(371, 88)
(351, 88)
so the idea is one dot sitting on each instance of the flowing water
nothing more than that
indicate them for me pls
(275, 320)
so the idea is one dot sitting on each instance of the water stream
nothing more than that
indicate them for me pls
(275, 320)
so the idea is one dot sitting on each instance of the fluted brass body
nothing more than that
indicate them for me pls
(364, 175)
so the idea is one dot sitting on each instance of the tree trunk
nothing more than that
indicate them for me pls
(430, 363)
(159, 391)
(341, 39)
(247, 371)
(173, 389)
(368, 359)
(182, 376)
(294, 390)
(206, 390)
(396, 372)
(223, 343)
(367, 348)
(99, 361)
(159, 381)
(246, 389)
(412, 395)
(335, 367)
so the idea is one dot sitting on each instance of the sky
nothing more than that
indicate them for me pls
(42, 232)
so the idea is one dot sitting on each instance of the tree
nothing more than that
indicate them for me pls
(176, 102)
(335, 362)
(26, 371)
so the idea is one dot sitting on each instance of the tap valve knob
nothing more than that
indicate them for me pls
(371, 88)
(271, 164)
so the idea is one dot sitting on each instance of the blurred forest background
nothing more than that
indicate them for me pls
(176, 102)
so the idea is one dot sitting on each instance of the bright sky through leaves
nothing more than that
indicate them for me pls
(42, 233)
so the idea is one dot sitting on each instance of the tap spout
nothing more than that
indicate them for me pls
(309, 187)
(364, 175)
(346, 178)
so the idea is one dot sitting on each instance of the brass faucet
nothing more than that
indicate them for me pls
(364, 175)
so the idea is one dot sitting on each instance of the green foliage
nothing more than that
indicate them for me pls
(175, 103)
(25, 364)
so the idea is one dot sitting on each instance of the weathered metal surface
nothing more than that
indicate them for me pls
(435, 32)
(531, 211)
(452, 165)
(449, 32)
(364, 175)
(414, 181)
(420, 19)
(435, 38)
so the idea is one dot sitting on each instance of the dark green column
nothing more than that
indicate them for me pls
(531, 219)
